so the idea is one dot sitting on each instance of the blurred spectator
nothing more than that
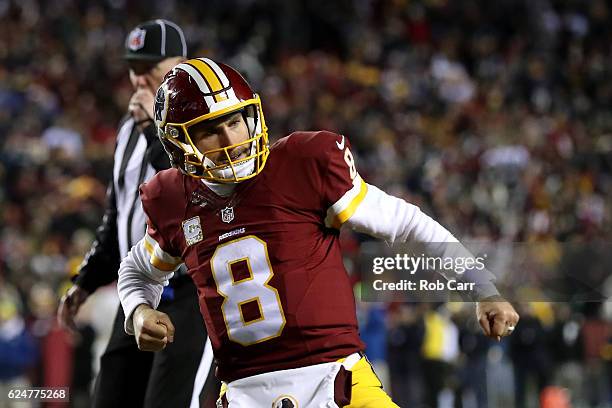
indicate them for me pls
(472, 390)
(373, 332)
(405, 339)
(566, 349)
(530, 355)
(440, 351)
(597, 335)
(55, 344)
(18, 351)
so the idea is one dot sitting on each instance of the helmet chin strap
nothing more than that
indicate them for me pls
(242, 169)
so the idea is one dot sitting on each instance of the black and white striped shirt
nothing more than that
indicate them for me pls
(138, 156)
(130, 170)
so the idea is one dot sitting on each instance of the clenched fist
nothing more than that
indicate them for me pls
(497, 317)
(153, 329)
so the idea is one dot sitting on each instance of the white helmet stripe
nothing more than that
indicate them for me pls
(221, 75)
(197, 77)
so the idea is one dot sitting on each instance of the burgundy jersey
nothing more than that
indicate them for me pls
(271, 283)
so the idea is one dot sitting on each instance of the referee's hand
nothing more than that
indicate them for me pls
(69, 306)
(153, 329)
(141, 107)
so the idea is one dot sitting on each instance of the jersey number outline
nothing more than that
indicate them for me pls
(253, 289)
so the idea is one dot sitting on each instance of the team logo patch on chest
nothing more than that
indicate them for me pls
(227, 214)
(192, 230)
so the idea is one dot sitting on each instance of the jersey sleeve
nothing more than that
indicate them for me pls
(154, 196)
(367, 209)
(162, 258)
(142, 275)
(342, 188)
(150, 263)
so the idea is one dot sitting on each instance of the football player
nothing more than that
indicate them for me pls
(257, 228)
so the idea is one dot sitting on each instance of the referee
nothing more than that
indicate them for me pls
(181, 374)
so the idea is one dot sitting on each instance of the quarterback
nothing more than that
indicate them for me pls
(257, 227)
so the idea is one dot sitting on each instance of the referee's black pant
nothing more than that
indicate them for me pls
(129, 377)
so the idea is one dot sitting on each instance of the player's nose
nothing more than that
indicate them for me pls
(229, 136)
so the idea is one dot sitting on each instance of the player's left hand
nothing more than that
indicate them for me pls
(497, 317)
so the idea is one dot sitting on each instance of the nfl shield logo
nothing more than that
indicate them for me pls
(227, 214)
(192, 230)
(136, 39)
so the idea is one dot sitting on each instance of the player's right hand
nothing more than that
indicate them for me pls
(69, 306)
(153, 329)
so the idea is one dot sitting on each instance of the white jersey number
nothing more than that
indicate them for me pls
(350, 162)
(247, 292)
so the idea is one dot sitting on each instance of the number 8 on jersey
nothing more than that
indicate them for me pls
(248, 292)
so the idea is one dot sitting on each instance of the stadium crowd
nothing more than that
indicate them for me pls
(495, 117)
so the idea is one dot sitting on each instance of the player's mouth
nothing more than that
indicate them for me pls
(235, 155)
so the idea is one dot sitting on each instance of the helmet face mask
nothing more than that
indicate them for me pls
(190, 96)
